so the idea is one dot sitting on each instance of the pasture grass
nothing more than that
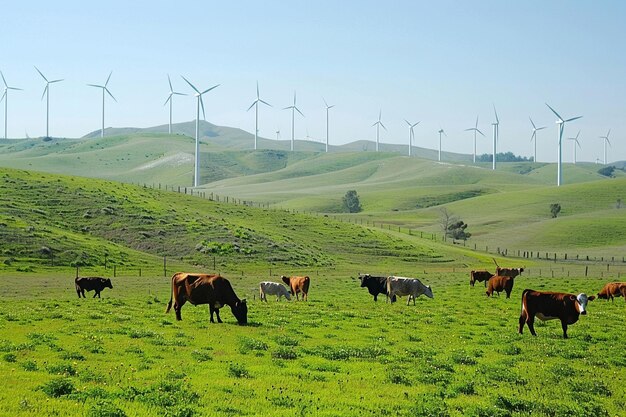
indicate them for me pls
(337, 354)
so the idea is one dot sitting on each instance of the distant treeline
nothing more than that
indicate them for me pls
(504, 157)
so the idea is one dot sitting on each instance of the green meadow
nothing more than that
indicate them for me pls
(107, 207)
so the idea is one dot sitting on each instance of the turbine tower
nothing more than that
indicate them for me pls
(604, 138)
(327, 108)
(378, 124)
(475, 129)
(561, 122)
(534, 136)
(574, 143)
(496, 133)
(441, 131)
(411, 134)
(255, 104)
(5, 97)
(171, 100)
(293, 118)
(46, 92)
(104, 88)
(199, 103)
(278, 134)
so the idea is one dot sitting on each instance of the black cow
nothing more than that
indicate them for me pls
(375, 285)
(96, 284)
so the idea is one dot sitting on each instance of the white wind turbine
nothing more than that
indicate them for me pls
(170, 99)
(534, 136)
(278, 134)
(255, 104)
(378, 124)
(441, 132)
(104, 88)
(293, 118)
(496, 134)
(475, 129)
(605, 139)
(5, 97)
(46, 92)
(411, 134)
(561, 122)
(199, 103)
(574, 143)
(327, 108)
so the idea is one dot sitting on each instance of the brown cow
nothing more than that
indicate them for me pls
(613, 289)
(551, 305)
(213, 290)
(298, 285)
(480, 276)
(95, 284)
(498, 284)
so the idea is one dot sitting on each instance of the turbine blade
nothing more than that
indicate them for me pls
(108, 78)
(191, 85)
(471, 128)
(42, 76)
(3, 96)
(168, 99)
(416, 124)
(478, 130)
(608, 134)
(609, 142)
(202, 105)
(178, 94)
(298, 110)
(577, 134)
(107, 90)
(44, 92)
(265, 102)
(542, 127)
(407, 122)
(95, 85)
(170, 82)
(476, 126)
(330, 107)
(257, 90)
(381, 123)
(326, 104)
(532, 123)
(252, 105)
(496, 113)
(573, 118)
(533, 136)
(3, 80)
(209, 89)
(554, 111)
(15, 88)
(56, 81)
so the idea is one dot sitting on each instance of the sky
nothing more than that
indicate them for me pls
(441, 63)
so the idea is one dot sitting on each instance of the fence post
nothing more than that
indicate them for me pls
(165, 266)
(586, 269)
(76, 271)
(114, 271)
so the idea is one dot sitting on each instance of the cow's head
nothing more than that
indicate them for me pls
(429, 292)
(107, 283)
(472, 280)
(285, 279)
(581, 302)
(287, 294)
(363, 278)
(240, 311)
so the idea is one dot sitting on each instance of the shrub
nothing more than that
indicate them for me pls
(238, 371)
(58, 387)
(247, 344)
(351, 202)
(555, 209)
(284, 352)
(105, 409)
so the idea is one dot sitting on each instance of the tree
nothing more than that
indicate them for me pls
(555, 209)
(445, 220)
(457, 231)
(351, 202)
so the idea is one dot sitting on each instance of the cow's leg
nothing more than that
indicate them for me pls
(217, 314)
(178, 305)
(564, 326)
(375, 297)
(78, 291)
(530, 321)
(95, 292)
(305, 296)
(485, 282)
(508, 294)
(522, 321)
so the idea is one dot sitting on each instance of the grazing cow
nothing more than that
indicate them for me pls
(480, 276)
(499, 284)
(509, 272)
(298, 285)
(96, 284)
(213, 290)
(413, 287)
(552, 305)
(374, 284)
(613, 289)
(273, 288)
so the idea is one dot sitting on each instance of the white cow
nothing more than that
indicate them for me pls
(273, 288)
(412, 287)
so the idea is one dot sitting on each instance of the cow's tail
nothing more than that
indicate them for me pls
(169, 305)
(305, 287)
(390, 297)
(495, 262)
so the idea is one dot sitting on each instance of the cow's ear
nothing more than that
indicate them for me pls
(591, 298)
(243, 301)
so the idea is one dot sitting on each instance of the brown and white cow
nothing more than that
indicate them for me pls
(613, 289)
(498, 284)
(552, 305)
(298, 285)
(213, 290)
(95, 284)
(273, 288)
(480, 276)
(509, 272)
(413, 287)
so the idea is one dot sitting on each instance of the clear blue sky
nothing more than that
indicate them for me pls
(441, 62)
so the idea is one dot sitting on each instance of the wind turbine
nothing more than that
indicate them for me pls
(561, 122)
(534, 136)
(5, 97)
(604, 138)
(441, 131)
(378, 124)
(496, 133)
(411, 134)
(199, 103)
(278, 134)
(255, 103)
(475, 129)
(46, 92)
(575, 142)
(327, 108)
(104, 88)
(171, 100)
(293, 117)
